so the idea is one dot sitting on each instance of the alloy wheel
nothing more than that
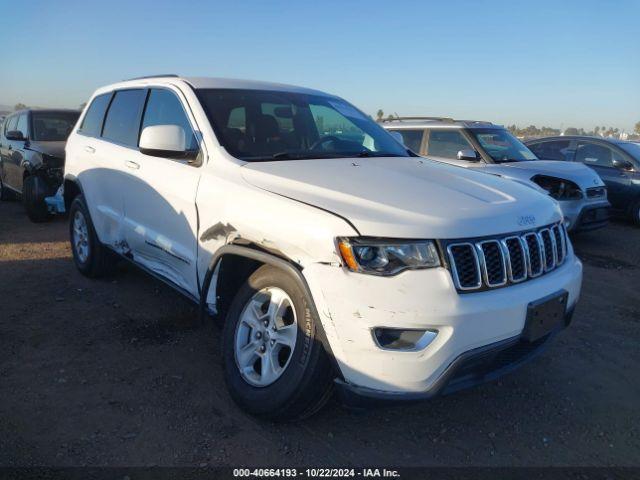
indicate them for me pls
(265, 337)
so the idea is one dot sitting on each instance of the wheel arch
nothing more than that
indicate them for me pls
(256, 257)
(71, 188)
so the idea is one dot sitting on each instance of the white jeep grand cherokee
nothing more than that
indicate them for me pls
(334, 256)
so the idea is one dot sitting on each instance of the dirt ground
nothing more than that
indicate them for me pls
(117, 372)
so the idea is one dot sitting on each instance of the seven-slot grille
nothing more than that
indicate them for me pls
(492, 263)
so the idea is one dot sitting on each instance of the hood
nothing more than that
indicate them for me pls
(407, 197)
(55, 149)
(578, 173)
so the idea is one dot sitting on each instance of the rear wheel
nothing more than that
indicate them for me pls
(275, 364)
(34, 189)
(91, 257)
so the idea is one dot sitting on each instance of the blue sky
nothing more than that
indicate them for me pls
(558, 63)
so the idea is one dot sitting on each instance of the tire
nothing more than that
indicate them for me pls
(91, 257)
(635, 213)
(33, 192)
(305, 382)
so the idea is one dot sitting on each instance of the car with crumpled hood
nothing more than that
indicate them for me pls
(32, 156)
(491, 148)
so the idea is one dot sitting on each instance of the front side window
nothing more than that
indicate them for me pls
(257, 125)
(53, 126)
(632, 149)
(412, 139)
(23, 125)
(596, 155)
(92, 121)
(164, 108)
(553, 150)
(122, 124)
(446, 143)
(502, 146)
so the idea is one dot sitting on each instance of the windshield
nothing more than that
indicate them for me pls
(502, 146)
(53, 126)
(257, 125)
(632, 149)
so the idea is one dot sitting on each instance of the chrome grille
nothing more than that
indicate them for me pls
(492, 263)
(548, 249)
(465, 266)
(516, 255)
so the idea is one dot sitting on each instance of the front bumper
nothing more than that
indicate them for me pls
(351, 305)
(580, 216)
(472, 368)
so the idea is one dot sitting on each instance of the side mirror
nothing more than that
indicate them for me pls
(398, 136)
(622, 164)
(468, 154)
(15, 135)
(167, 141)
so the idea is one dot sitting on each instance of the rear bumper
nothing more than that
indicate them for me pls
(472, 368)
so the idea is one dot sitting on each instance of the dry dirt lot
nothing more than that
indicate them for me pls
(117, 372)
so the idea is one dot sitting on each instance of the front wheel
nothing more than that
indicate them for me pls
(274, 362)
(34, 189)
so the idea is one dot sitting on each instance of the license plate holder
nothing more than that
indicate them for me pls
(545, 315)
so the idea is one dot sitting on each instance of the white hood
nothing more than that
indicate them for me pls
(578, 173)
(407, 197)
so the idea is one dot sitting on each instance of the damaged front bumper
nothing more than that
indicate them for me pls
(470, 369)
(488, 324)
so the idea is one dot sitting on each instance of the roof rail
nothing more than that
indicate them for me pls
(172, 75)
(438, 119)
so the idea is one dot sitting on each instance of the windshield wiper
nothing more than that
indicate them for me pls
(369, 153)
(285, 156)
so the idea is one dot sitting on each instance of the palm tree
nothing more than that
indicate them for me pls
(636, 128)
(379, 115)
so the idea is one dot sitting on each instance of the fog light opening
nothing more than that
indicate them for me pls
(403, 339)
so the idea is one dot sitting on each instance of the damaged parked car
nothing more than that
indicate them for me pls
(616, 161)
(32, 156)
(491, 148)
(336, 258)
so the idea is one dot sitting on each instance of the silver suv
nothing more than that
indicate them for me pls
(581, 193)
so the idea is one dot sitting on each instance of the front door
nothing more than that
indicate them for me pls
(161, 221)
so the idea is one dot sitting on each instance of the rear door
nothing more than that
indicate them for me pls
(600, 156)
(161, 220)
(95, 161)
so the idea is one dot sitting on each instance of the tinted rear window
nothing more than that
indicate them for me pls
(122, 124)
(53, 126)
(92, 122)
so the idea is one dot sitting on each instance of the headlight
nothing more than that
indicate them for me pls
(387, 257)
(558, 188)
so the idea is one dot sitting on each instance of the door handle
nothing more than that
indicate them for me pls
(133, 165)
(89, 149)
